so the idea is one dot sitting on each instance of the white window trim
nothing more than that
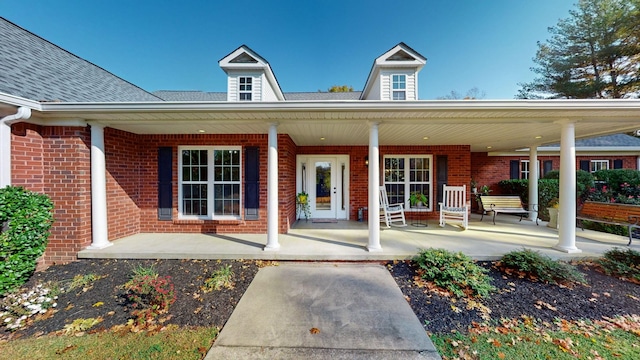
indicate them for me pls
(403, 90)
(245, 91)
(593, 162)
(210, 182)
(407, 182)
(528, 171)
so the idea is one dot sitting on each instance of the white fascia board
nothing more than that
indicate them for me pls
(409, 105)
(17, 101)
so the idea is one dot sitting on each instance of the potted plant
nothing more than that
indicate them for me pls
(553, 209)
(302, 202)
(474, 186)
(417, 198)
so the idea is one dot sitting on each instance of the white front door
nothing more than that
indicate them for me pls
(325, 179)
(323, 189)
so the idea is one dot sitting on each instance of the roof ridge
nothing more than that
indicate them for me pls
(82, 59)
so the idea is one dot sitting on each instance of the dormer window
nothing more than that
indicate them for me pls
(399, 86)
(245, 88)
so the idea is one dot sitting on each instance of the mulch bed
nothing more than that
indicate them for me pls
(604, 296)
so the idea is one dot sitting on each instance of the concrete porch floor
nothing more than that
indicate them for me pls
(347, 240)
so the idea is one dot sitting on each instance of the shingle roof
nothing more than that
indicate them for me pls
(171, 95)
(352, 95)
(33, 68)
(610, 140)
(616, 140)
(174, 95)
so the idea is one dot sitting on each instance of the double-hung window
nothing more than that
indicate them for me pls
(406, 174)
(599, 165)
(210, 179)
(399, 86)
(245, 88)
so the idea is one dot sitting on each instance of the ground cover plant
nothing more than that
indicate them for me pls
(597, 320)
(597, 317)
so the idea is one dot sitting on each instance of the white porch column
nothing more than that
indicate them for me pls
(567, 210)
(272, 190)
(374, 190)
(99, 227)
(23, 113)
(533, 182)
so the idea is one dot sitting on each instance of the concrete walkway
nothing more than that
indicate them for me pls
(320, 311)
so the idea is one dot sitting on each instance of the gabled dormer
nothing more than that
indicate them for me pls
(249, 77)
(394, 75)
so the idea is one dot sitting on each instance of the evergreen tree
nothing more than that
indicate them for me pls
(594, 53)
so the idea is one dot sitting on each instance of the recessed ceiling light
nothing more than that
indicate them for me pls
(322, 138)
(425, 138)
(201, 131)
(489, 147)
(539, 137)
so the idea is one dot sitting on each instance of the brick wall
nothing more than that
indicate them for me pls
(56, 161)
(148, 194)
(458, 171)
(489, 170)
(123, 160)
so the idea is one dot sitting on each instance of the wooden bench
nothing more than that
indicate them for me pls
(610, 213)
(510, 204)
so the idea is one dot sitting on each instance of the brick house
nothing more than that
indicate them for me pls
(118, 160)
(617, 151)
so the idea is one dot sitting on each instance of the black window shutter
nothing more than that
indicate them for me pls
(585, 165)
(617, 164)
(165, 183)
(442, 168)
(251, 182)
(547, 166)
(514, 169)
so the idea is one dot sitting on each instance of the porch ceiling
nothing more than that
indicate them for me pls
(503, 125)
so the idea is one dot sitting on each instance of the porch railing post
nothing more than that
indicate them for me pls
(99, 223)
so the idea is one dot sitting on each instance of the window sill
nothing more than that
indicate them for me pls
(208, 221)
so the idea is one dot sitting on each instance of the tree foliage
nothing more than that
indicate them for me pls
(594, 53)
(472, 94)
(338, 88)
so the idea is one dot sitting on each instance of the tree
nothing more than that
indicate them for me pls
(472, 94)
(343, 88)
(594, 53)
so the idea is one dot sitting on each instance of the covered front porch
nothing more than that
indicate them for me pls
(347, 241)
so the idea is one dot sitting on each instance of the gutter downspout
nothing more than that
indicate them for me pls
(23, 113)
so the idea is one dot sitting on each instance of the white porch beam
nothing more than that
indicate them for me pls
(374, 190)
(272, 190)
(99, 224)
(567, 211)
(533, 183)
(23, 113)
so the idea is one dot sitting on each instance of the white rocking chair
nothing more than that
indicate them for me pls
(454, 206)
(390, 213)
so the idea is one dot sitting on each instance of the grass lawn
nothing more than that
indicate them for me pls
(525, 339)
(172, 343)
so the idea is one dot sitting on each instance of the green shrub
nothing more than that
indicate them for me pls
(518, 187)
(534, 266)
(455, 272)
(622, 263)
(25, 220)
(606, 228)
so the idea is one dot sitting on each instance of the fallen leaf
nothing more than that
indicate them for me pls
(501, 355)
(314, 331)
(98, 304)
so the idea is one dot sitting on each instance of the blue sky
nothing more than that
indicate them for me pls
(311, 45)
